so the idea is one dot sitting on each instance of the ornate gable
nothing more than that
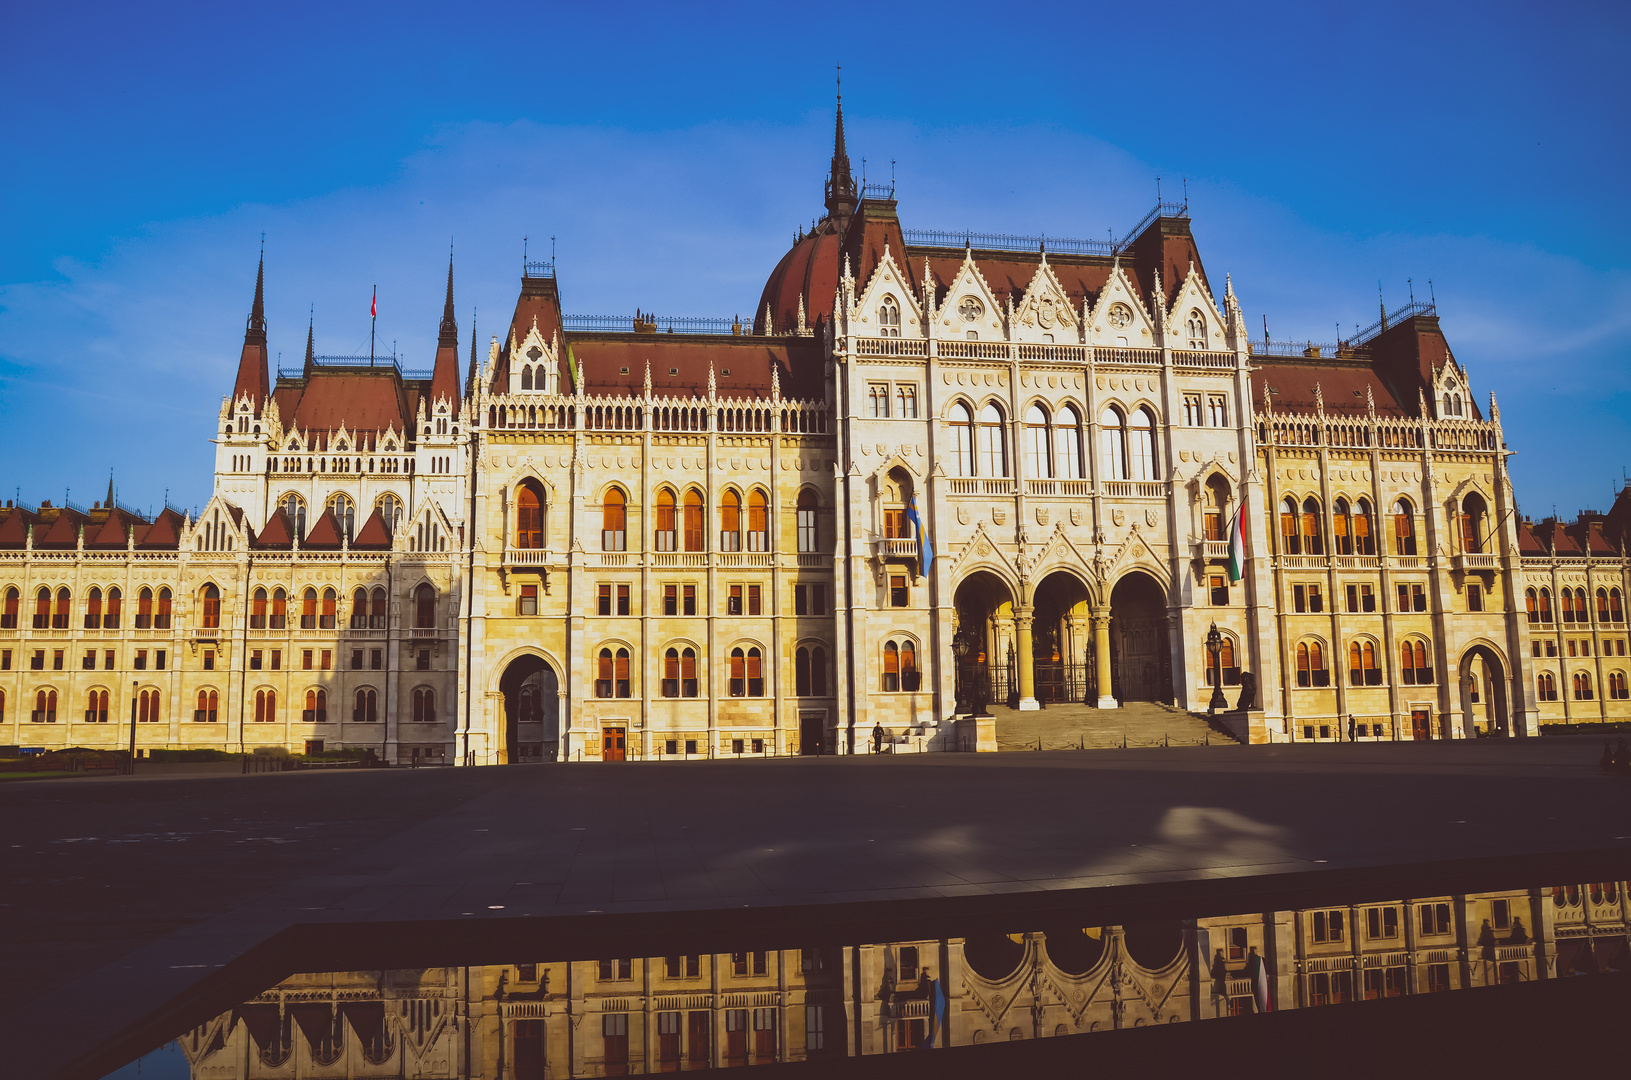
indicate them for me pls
(1044, 315)
(971, 306)
(1194, 321)
(1119, 319)
(871, 315)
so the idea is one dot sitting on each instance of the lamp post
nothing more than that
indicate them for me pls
(134, 683)
(959, 649)
(1214, 645)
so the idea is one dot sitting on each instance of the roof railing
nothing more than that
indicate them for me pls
(1409, 311)
(942, 238)
(380, 362)
(878, 191)
(655, 324)
(1162, 209)
(538, 270)
(945, 238)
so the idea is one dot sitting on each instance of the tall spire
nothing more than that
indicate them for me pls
(450, 326)
(253, 377)
(444, 381)
(311, 352)
(840, 189)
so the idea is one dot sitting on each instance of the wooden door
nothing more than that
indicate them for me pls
(1420, 722)
(698, 1040)
(612, 744)
(812, 735)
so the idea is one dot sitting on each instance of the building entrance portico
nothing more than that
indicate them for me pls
(984, 607)
(1141, 660)
(532, 729)
(1062, 641)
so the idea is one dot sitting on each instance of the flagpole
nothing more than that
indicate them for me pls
(373, 317)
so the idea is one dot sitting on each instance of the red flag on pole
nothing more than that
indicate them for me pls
(373, 305)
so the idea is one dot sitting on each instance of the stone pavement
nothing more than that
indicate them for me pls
(118, 892)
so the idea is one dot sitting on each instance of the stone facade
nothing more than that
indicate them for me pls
(934, 474)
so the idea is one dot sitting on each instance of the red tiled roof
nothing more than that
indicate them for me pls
(361, 401)
(741, 365)
(373, 533)
(276, 534)
(1341, 382)
(1527, 544)
(14, 522)
(165, 532)
(1561, 543)
(63, 532)
(325, 534)
(114, 532)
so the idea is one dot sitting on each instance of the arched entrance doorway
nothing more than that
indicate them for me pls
(985, 635)
(1062, 641)
(532, 725)
(1140, 657)
(1483, 693)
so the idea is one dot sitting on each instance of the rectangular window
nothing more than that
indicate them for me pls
(603, 600)
(1299, 598)
(1570, 644)
(277, 659)
(374, 656)
(255, 660)
(1418, 597)
(818, 598)
(209, 659)
(305, 659)
(141, 659)
(1316, 601)
(1327, 926)
(1220, 590)
(356, 659)
(815, 1034)
(1217, 410)
(5, 660)
(897, 590)
(671, 599)
(328, 659)
(37, 661)
(1435, 918)
(56, 660)
(422, 661)
(733, 602)
(529, 600)
(1192, 410)
(88, 661)
(1382, 922)
(801, 600)
(1502, 911)
(107, 660)
(753, 600)
(1475, 597)
(616, 970)
(1367, 598)
(1353, 598)
(877, 401)
(622, 599)
(690, 598)
(906, 401)
(1438, 978)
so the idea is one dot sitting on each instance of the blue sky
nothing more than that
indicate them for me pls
(673, 151)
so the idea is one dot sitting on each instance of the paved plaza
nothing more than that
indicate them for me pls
(120, 891)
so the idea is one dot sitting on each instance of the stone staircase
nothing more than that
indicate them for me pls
(1077, 726)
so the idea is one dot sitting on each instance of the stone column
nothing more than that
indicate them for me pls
(1101, 657)
(1025, 660)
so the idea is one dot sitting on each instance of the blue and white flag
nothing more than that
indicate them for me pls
(925, 551)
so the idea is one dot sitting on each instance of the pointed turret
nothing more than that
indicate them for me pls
(254, 378)
(444, 379)
(840, 189)
(311, 352)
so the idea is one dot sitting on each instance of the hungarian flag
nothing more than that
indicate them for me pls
(373, 305)
(1237, 544)
(937, 1034)
(1257, 974)
(572, 366)
(925, 557)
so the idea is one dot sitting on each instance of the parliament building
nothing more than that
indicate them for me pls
(937, 475)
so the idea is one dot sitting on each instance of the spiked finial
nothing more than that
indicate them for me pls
(311, 323)
(775, 382)
(109, 503)
(254, 379)
(257, 310)
(713, 389)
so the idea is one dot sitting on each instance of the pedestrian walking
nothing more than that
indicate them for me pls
(877, 738)
(1350, 727)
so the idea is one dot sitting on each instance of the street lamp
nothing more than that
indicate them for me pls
(959, 649)
(1214, 645)
(134, 683)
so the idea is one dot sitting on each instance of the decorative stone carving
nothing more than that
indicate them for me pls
(999, 515)
(1149, 517)
(1118, 517)
(1075, 515)
(1041, 515)
(962, 515)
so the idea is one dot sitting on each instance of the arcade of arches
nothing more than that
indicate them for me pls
(1062, 647)
(532, 728)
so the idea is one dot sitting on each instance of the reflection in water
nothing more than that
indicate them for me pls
(621, 1016)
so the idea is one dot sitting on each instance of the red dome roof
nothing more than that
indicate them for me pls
(810, 270)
